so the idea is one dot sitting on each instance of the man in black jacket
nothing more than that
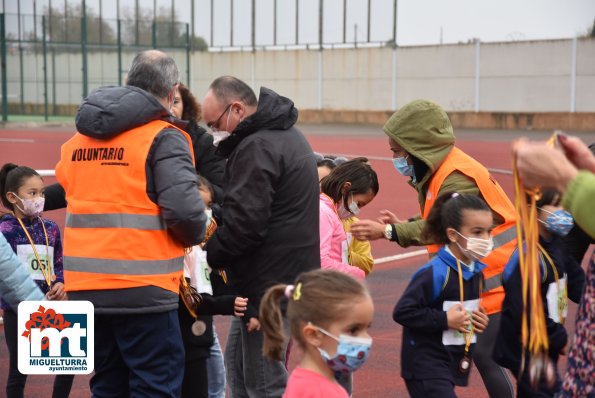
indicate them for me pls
(270, 204)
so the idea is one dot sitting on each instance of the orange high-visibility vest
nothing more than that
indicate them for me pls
(115, 237)
(504, 235)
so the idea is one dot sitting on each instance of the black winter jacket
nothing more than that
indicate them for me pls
(270, 201)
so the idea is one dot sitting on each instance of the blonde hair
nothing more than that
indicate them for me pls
(321, 297)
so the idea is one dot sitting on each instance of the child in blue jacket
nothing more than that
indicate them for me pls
(440, 309)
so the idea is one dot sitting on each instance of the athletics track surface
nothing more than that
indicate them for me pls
(40, 149)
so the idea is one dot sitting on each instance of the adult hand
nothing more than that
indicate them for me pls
(239, 306)
(367, 230)
(480, 320)
(577, 152)
(388, 217)
(542, 166)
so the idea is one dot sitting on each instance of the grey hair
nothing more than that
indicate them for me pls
(155, 72)
(229, 88)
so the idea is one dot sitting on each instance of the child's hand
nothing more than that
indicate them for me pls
(480, 320)
(458, 318)
(253, 324)
(239, 306)
(56, 292)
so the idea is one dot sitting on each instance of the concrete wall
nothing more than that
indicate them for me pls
(513, 77)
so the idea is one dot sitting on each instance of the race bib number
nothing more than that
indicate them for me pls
(454, 337)
(200, 278)
(557, 304)
(27, 257)
(345, 250)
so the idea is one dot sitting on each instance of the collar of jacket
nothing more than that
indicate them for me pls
(274, 112)
(451, 261)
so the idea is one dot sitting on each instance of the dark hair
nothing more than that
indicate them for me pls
(229, 88)
(12, 177)
(356, 171)
(336, 290)
(202, 182)
(192, 111)
(548, 197)
(153, 71)
(447, 212)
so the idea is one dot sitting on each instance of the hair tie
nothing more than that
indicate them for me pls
(289, 290)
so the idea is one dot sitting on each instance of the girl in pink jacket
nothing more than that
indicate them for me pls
(347, 189)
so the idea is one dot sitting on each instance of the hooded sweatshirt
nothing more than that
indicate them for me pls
(270, 204)
(171, 184)
(424, 130)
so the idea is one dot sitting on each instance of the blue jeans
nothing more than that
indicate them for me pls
(138, 355)
(216, 369)
(249, 374)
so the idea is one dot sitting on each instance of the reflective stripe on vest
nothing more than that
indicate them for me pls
(135, 221)
(123, 267)
(504, 235)
(115, 236)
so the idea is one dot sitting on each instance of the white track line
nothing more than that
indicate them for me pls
(25, 140)
(402, 256)
(348, 156)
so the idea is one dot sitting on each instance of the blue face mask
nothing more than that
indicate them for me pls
(559, 222)
(404, 168)
(351, 354)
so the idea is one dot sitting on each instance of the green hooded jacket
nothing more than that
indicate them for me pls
(424, 130)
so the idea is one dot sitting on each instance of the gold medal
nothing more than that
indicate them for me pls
(465, 364)
(199, 328)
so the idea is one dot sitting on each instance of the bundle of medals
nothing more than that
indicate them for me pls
(190, 296)
(534, 338)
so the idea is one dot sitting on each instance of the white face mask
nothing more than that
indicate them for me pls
(476, 248)
(221, 135)
(353, 209)
(209, 213)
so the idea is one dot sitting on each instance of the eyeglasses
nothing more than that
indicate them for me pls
(214, 126)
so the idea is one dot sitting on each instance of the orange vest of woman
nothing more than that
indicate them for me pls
(504, 235)
(115, 237)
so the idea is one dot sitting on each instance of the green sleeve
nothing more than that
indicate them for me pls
(578, 200)
(409, 233)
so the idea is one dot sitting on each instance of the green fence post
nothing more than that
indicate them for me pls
(45, 70)
(154, 34)
(84, 49)
(119, 53)
(188, 55)
(3, 65)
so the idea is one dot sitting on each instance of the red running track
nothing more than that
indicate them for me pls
(380, 377)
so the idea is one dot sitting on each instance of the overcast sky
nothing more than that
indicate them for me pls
(418, 21)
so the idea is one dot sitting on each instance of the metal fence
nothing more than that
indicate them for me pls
(38, 87)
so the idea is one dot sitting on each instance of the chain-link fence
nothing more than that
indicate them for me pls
(50, 62)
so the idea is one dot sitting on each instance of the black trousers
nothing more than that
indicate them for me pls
(430, 388)
(15, 385)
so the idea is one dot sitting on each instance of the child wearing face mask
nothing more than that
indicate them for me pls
(347, 189)
(36, 242)
(334, 336)
(440, 309)
(196, 322)
(562, 279)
